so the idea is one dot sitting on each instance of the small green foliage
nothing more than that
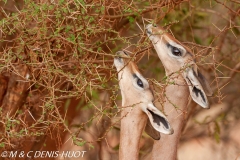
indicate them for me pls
(82, 2)
(67, 103)
(67, 29)
(69, 47)
(91, 146)
(217, 132)
(71, 38)
(131, 19)
(49, 105)
(2, 145)
(61, 1)
(78, 141)
(102, 9)
(197, 40)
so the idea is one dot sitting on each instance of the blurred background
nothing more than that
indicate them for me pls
(59, 88)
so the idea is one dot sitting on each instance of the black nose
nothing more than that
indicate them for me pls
(119, 55)
(125, 53)
(148, 31)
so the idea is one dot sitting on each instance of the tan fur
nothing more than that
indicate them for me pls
(178, 94)
(133, 121)
(166, 147)
(136, 106)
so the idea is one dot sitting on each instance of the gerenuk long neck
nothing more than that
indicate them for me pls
(132, 125)
(166, 147)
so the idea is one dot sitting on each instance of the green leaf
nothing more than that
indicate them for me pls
(197, 40)
(61, 1)
(217, 132)
(2, 145)
(81, 143)
(91, 146)
(131, 19)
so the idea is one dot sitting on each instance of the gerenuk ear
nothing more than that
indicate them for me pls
(197, 86)
(151, 131)
(204, 83)
(158, 119)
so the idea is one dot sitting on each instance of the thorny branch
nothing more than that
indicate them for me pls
(54, 53)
